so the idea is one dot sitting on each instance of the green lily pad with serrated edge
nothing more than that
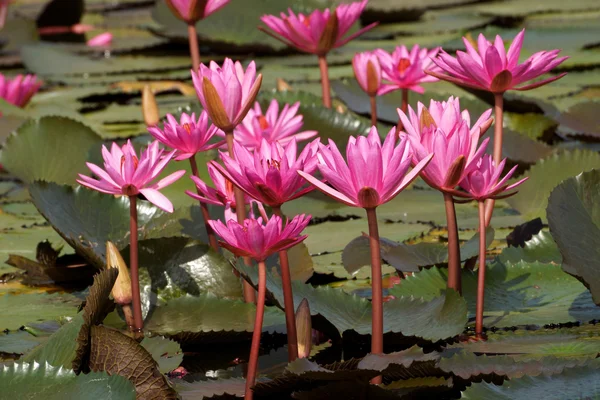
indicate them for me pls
(573, 216)
(28, 380)
(541, 247)
(532, 294)
(21, 309)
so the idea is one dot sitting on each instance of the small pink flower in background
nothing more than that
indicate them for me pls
(82, 28)
(19, 90)
(221, 195)
(373, 175)
(367, 70)
(192, 11)
(484, 181)
(404, 69)
(258, 241)
(227, 92)
(126, 174)
(3, 12)
(188, 136)
(272, 126)
(318, 32)
(445, 130)
(490, 67)
(101, 40)
(269, 174)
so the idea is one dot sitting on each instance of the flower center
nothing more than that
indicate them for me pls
(306, 22)
(274, 164)
(403, 65)
(262, 121)
(135, 162)
(187, 128)
(228, 186)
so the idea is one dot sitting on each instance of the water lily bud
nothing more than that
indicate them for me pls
(304, 329)
(149, 107)
(121, 291)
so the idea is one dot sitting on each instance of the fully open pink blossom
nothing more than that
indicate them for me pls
(126, 174)
(101, 40)
(258, 241)
(404, 69)
(19, 90)
(445, 130)
(484, 181)
(221, 195)
(188, 136)
(192, 11)
(227, 92)
(367, 70)
(320, 31)
(269, 174)
(373, 175)
(490, 67)
(272, 126)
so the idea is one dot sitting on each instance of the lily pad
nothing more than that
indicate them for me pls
(532, 198)
(531, 294)
(59, 349)
(167, 353)
(21, 309)
(28, 380)
(540, 247)
(43, 140)
(573, 215)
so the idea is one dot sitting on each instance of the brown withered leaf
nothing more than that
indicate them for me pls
(96, 308)
(157, 87)
(117, 354)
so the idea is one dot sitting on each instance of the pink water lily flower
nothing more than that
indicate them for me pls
(101, 40)
(318, 32)
(404, 69)
(269, 174)
(192, 11)
(227, 92)
(484, 181)
(445, 130)
(19, 90)
(373, 175)
(490, 67)
(221, 195)
(272, 126)
(258, 241)
(188, 136)
(126, 174)
(367, 70)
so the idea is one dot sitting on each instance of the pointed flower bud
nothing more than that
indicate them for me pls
(304, 329)
(149, 107)
(121, 291)
(367, 71)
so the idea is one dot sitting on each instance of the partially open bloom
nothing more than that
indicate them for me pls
(446, 131)
(490, 67)
(404, 69)
(373, 175)
(188, 136)
(484, 181)
(367, 70)
(19, 90)
(258, 241)
(318, 32)
(101, 40)
(227, 92)
(126, 174)
(221, 195)
(192, 11)
(272, 126)
(269, 173)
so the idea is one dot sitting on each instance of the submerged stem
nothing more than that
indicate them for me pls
(133, 266)
(498, 135)
(481, 272)
(288, 300)
(325, 81)
(454, 273)
(258, 322)
(212, 237)
(376, 286)
(194, 48)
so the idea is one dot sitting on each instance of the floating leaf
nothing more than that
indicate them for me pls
(60, 348)
(21, 309)
(532, 198)
(167, 353)
(28, 380)
(211, 388)
(574, 218)
(541, 248)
